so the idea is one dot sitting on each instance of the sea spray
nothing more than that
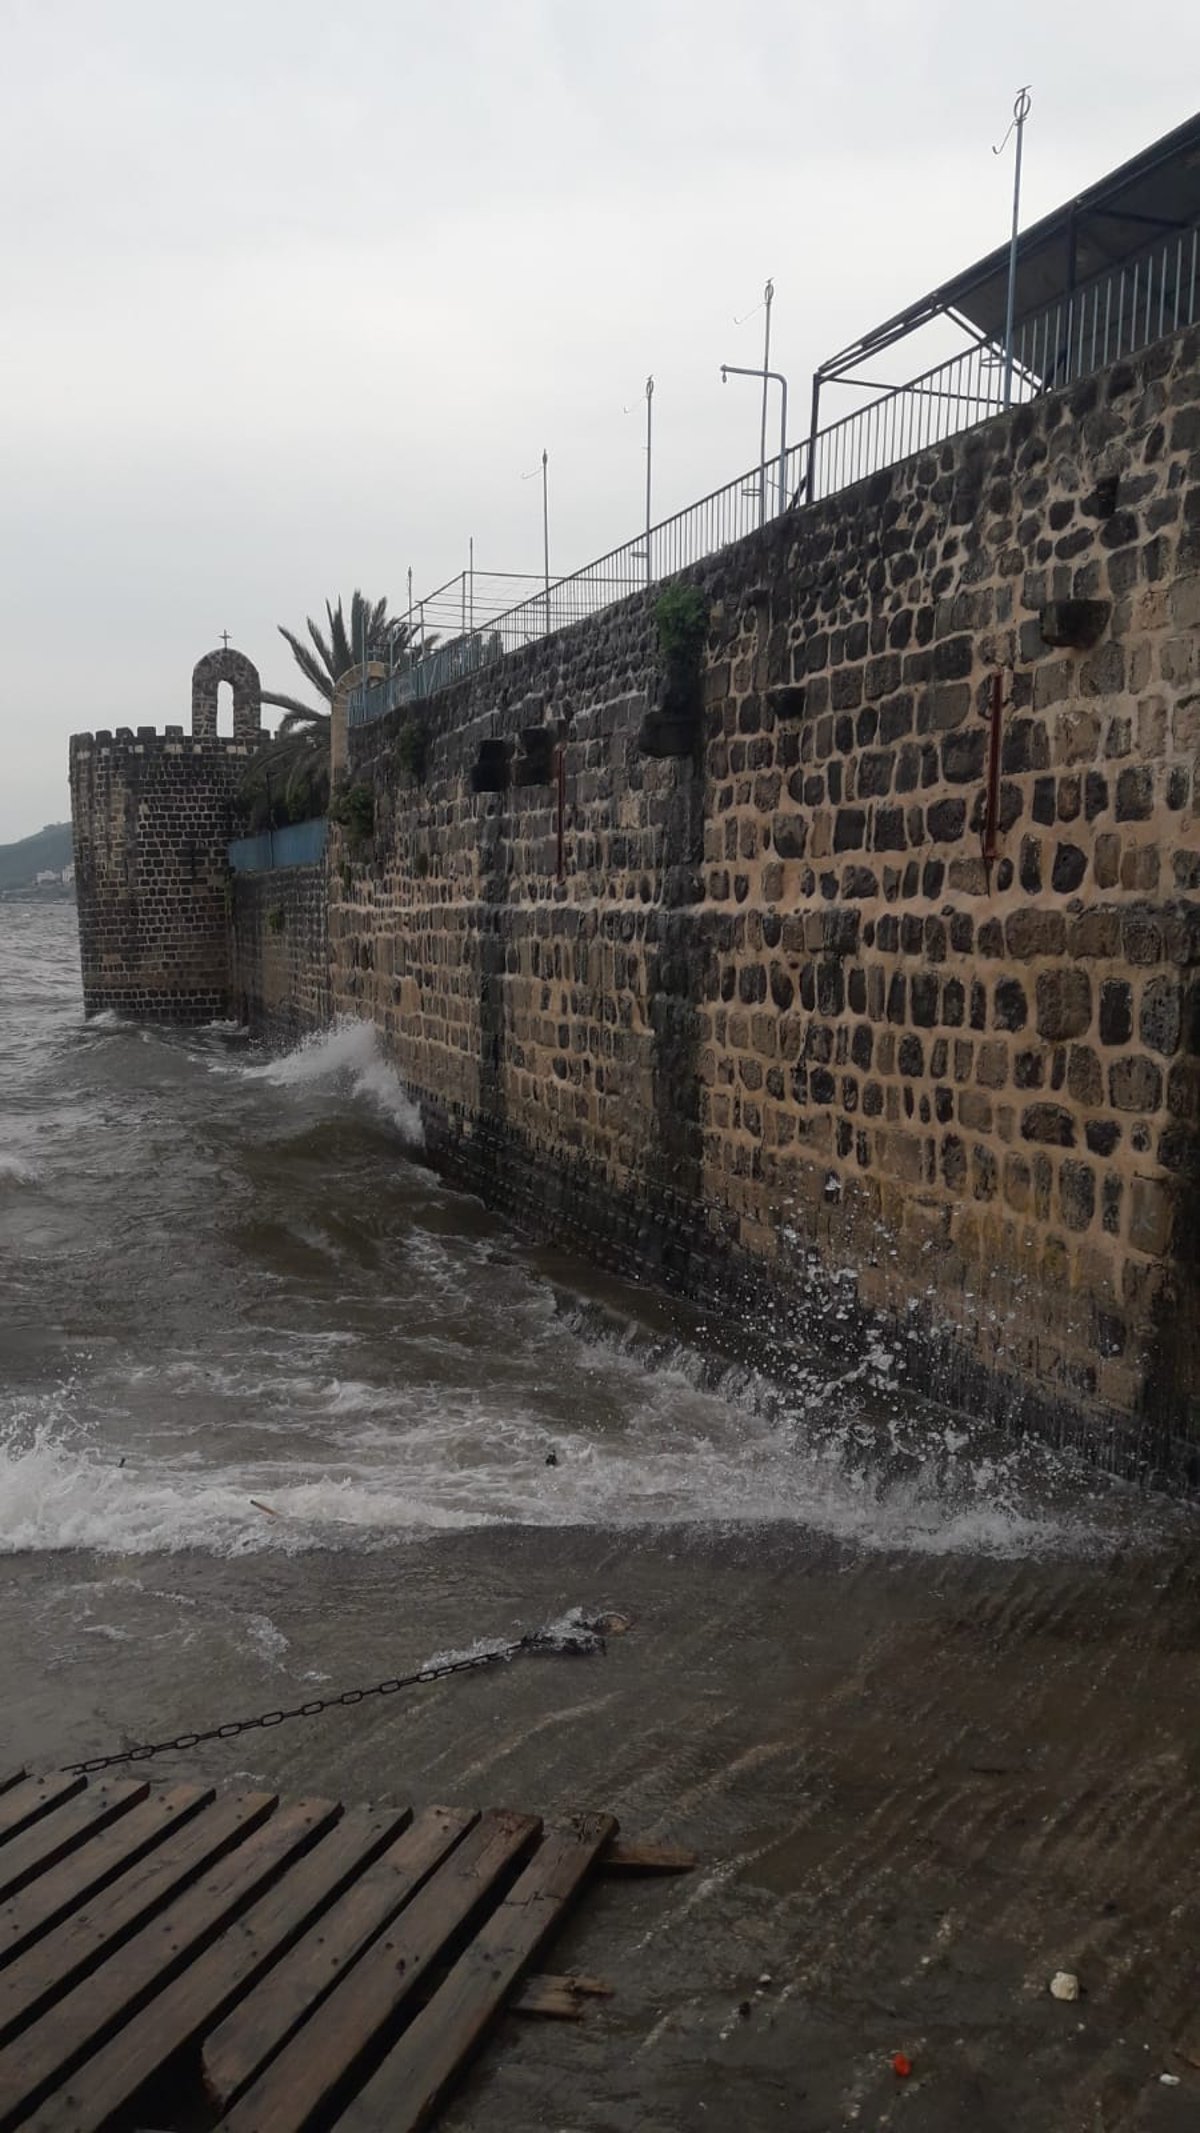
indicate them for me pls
(348, 1055)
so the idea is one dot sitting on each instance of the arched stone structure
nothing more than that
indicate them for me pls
(242, 675)
(339, 739)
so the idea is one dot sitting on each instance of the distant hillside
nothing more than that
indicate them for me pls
(21, 863)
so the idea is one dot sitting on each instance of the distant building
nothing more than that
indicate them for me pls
(45, 875)
(68, 876)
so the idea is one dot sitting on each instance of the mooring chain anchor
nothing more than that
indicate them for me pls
(576, 1635)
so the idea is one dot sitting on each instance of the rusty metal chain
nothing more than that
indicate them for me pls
(578, 1636)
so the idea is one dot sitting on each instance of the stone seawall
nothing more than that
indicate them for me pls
(152, 816)
(822, 1008)
(279, 980)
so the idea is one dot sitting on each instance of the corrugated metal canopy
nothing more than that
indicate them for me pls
(1155, 192)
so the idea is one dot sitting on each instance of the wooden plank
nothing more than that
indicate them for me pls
(628, 1858)
(354, 2024)
(406, 2089)
(84, 1874)
(50, 2048)
(14, 1778)
(560, 1998)
(54, 1836)
(260, 2025)
(87, 1936)
(27, 1801)
(223, 1975)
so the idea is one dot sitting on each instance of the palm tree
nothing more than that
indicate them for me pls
(288, 780)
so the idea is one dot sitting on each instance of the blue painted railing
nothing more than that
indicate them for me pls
(301, 844)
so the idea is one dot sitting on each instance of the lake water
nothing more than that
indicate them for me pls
(280, 1413)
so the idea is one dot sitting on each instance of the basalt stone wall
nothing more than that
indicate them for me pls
(152, 817)
(834, 1004)
(280, 952)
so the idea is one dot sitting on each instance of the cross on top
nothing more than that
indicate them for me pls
(225, 639)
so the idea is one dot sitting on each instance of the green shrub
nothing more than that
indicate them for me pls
(681, 617)
(275, 918)
(412, 748)
(353, 808)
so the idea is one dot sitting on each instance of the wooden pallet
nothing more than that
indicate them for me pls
(274, 1966)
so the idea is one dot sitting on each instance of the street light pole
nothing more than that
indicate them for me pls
(768, 300)
(1020, 114)
(737, 370)
(532, 476)
(546, 530)
(649, 452)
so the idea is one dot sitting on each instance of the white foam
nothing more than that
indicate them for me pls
(684, 1460)
(16, 1170)
(348, 1054)
(107, 1019)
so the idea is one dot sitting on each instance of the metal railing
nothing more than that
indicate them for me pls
(1116, 313)
(700, 530)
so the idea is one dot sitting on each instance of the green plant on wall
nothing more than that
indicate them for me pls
(353, 808)
(681, 619)
(412, 748)
(275, 918)
(672, 722)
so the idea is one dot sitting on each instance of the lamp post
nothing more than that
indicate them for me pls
(768, 300)
(649, 457)
(645, 554)
(546, 530)
(545, 526)
(1017, 125)
(738, 370)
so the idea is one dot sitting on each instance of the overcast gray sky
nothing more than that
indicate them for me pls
(295, 291)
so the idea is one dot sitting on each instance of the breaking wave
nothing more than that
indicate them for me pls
(347, 1056)
(342, 1463)
(16, 1171)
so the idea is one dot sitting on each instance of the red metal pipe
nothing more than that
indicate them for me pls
(991, 813)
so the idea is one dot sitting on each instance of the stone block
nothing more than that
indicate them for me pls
(1049, 1123)
(1160, 1022)
(1106, 859)
(789, 835)
(1010, 1006)
(1078, 623)
(1116, 1011)
(849, 829)
(963, 757)
(1077, 1195)
(1031, 934)
(1135, 1084)
(974, 1111)
(1135, 793)
(1070, 866)
(1085, 1078)
(1151, 1216)
(1064, 1003)
(991, 1064)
